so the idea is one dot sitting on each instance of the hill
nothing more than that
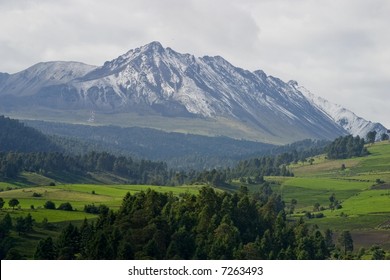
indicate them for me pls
(178, 150)
(16, 137)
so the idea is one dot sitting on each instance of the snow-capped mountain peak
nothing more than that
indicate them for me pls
(159, 81)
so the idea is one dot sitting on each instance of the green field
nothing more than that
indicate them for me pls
(78, 195)
(365, 209)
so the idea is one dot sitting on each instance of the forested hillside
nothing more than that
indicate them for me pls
(58, 164)
(178, 150)
(16, 137)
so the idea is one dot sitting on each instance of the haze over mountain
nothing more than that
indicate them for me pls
(157, 87)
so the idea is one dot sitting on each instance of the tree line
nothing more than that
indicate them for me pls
(137, 172)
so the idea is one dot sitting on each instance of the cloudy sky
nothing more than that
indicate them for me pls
(338, 49)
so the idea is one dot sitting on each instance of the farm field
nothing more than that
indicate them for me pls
(362, 189)
(78, 195)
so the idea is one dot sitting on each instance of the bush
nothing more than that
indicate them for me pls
(319, 215)
(52, 184)
(49, 205)
(37, 194)
(65, 207)
(91, 208)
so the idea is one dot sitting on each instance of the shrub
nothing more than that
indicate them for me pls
(319, 215)
(49, 205)
(93, 209)
(65, 207)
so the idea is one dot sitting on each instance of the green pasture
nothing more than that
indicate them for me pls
(364, 209)
(366, 203)
(322, 167)
(377, 162)
(53, 216)
(308, 191)
(78, 195)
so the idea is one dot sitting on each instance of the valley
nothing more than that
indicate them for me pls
(361, 190)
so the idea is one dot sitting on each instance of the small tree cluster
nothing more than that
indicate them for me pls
(346, 147)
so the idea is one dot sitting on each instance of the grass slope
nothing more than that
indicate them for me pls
(78, 195)
(365, 205)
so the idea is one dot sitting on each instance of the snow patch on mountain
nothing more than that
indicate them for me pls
(349, 121)
(29, 81)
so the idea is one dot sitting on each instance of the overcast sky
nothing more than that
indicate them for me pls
(338, 49)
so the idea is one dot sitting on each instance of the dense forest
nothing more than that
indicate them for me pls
(137, 172)
(211, 225)
(17, 137)
(181, 150)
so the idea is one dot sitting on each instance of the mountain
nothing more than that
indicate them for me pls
(156, 87)
(41, 75)
(3, 77)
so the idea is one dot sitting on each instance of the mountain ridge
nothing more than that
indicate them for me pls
(153, 80)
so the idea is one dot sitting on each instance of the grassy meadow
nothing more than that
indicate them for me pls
(362, 189)
(78, 195)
